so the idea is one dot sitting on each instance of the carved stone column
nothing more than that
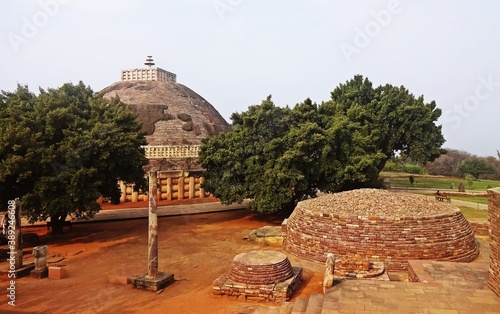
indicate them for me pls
(153, 280)
(40, 255)
(153, 227)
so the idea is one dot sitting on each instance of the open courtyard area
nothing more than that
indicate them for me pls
(199, 248)
(195, 248)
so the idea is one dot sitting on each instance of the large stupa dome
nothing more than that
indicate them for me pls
(175, 120)
(171, 113)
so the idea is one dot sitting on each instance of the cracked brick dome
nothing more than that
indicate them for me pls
(174, 118)
(171, 113)
(379, 226)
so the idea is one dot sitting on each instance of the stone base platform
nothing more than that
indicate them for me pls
(376, 269)
(40, 273)
(267, 235)
(279, 292)
(153, 284)
(451, 274)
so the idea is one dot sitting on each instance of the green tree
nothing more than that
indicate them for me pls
(279, 156)
(393, 118)
(267, 157)
(476, 167)
(64, 148)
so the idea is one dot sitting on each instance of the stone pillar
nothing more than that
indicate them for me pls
(169, 188)
(123, 189)
(135, 194)
(153, 227)
(180, 191)
(202, 190)
(191, 187)
(40, 255)
(494, 219)
(153, 280)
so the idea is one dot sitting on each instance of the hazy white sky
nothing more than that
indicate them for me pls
(236, 52)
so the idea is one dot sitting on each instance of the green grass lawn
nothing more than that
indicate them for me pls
(474, 214)
(474, 199)
(437, 183)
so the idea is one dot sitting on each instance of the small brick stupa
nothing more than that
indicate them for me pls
(262, 275)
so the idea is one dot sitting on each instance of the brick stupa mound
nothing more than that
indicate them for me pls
(368, 225)
(260, 268)
(259, 275)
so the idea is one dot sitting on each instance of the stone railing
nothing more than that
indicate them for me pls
(172, 151)
(149, 74)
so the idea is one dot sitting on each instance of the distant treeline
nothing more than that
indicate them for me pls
(449, 164)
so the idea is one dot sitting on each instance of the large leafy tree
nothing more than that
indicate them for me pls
(393, 118)
(62, 149)
(278, 156)
(263, 158)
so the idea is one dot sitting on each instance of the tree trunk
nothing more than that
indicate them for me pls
(57, 223)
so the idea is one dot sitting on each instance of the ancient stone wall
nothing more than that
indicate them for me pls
(494, 218)
(394, 241)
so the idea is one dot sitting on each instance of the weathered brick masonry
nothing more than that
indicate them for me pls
(494, 218)
(262, 275)
(394, 241)
(481, 228)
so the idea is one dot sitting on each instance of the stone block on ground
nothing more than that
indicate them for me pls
(57, 272)
(120, 280)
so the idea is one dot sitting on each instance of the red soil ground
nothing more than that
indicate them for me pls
(195, 248)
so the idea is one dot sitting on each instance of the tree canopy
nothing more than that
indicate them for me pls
(62, 149)
(278, 156)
